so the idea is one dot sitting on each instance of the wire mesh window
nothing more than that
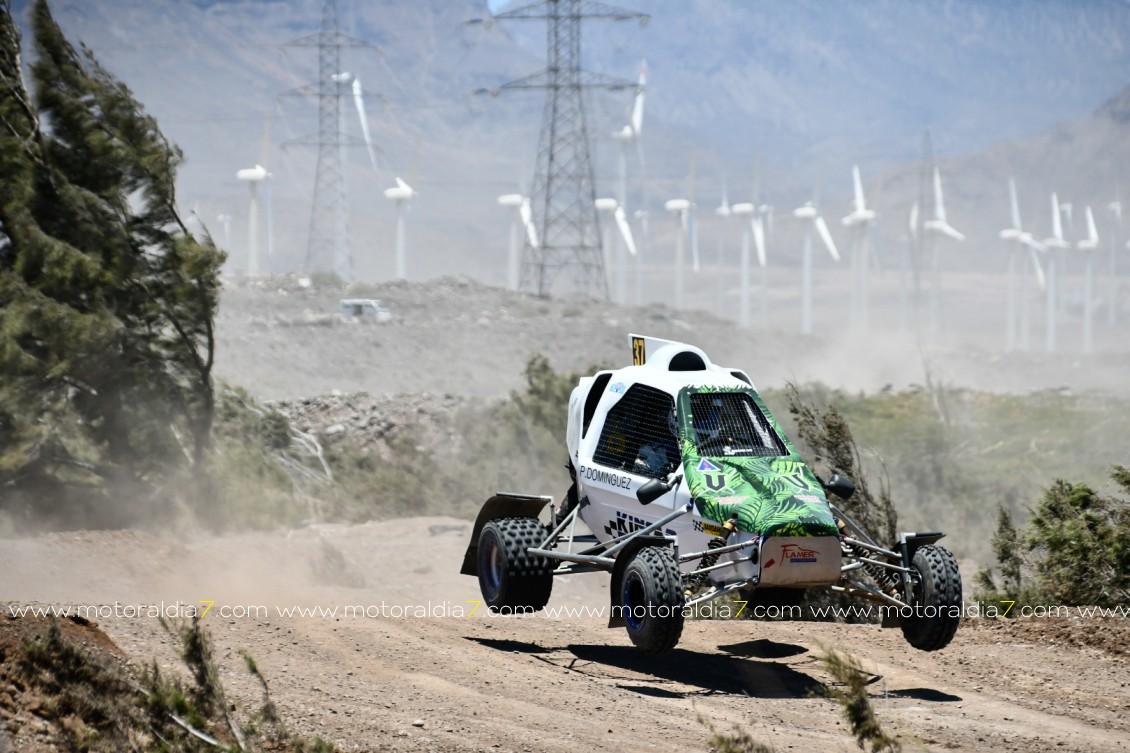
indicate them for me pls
(731, 424)
(640, 434)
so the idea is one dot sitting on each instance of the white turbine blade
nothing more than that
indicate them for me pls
(1032, 243)
(860, 205)
(359, 103)
(759, 239)
(1015, 204)
(637, 106)
(694, 239)
(822, 228)
(1057, 223)
(526, 212)
(1038, 268)
(1092, 231)
(625, 229)
(939, 200)
(948, 229)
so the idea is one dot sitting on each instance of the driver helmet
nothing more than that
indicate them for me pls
(708, 425)
(652, 456)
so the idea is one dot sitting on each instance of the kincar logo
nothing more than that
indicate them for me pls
(625, 523)
(797, 553)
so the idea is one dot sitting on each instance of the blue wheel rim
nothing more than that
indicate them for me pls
(491, 567)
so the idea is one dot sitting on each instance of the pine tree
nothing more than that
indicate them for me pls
(1080, 544)
(107, 302)
(1006, 547)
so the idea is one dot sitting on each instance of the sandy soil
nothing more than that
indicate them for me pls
(455, 681)
(452, 680)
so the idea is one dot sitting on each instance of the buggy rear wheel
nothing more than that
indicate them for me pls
(512, 580)
(652, 599)
(937, 599)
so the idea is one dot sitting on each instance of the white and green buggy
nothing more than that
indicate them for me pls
(685, 489)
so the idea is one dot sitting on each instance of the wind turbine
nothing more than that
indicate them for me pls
(723, 212)
(611, 207)
(1018, 239)
(626, 137)
(940, 226)
(523, 217)
(860, 219)
(1088, 246)
(630, 133)
(359, 105)
(1115, 233)
(758, 215)
(742, 211)
(225, 222)
(1067, 212)
(642, 217)
(813, 220)
(761, 225)
(908, 266)
(1056, 242)
(685, 210)
(401, 194)
(254, 176)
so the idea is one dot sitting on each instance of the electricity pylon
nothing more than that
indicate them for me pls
(327, 247)
(563, 192)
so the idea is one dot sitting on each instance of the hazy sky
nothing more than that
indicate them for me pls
(809, 90)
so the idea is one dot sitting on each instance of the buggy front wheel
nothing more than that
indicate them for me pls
(937, 599)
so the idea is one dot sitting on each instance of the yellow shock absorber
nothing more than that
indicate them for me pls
(710, 558)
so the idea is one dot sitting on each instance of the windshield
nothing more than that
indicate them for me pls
(730, 424)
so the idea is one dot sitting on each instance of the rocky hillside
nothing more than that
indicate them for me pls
(457, 337)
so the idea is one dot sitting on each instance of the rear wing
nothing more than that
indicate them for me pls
(642, 345)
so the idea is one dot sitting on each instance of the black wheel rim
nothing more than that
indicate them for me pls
(633, 600)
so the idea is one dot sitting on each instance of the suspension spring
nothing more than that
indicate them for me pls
(694, 582)
(884, 578)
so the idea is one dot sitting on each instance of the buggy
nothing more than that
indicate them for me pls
(685, 490)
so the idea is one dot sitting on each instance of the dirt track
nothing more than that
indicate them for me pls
(561, 684)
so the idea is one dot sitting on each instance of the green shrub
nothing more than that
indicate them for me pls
(1079, 544)
(1075, 549)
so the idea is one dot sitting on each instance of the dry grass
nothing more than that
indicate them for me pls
(850, 692)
